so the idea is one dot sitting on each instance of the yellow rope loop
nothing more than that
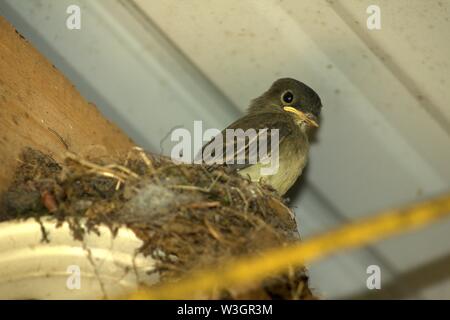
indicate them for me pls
(252, 269)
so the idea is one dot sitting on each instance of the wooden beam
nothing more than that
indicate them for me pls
(40, 108)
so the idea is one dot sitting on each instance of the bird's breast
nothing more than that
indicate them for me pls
(292, 158)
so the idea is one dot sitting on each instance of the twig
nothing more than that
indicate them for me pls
(190, 188)
(59, 137)
(96, 272)
(203, 205)
(145, 158)
(216, 235)
(243, 198)
(123, 169)
(98, 169)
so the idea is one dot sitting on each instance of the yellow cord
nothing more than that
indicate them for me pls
(252, 269)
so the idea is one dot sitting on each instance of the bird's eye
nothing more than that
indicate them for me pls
(287, 97)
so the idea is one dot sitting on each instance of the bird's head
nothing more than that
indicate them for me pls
(292, 96)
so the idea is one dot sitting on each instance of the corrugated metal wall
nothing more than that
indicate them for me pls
(152, 66)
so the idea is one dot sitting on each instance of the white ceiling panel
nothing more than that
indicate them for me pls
(384, 140)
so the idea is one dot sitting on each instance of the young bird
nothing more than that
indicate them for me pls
(289, 106)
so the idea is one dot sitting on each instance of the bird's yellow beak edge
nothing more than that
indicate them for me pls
(302, 116)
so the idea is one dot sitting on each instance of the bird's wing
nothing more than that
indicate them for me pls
(244, 149)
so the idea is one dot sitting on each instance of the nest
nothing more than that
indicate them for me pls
(188, 216)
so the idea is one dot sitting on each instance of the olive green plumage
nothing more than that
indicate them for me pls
(289, 106)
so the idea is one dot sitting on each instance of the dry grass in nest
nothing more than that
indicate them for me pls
(188, 216)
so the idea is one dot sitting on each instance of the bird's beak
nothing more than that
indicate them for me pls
(308, 118)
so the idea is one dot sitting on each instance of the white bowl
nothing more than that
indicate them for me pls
(97, 267)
